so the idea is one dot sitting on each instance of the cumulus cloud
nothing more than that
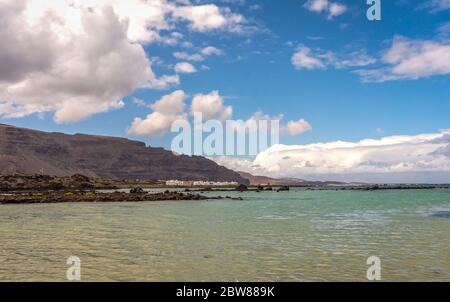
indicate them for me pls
(82, 57)
(209, 17)
(49, 57)
(395, 158)
(185, 67)
(306, 58)
(317, 6)
(211, 106)
(332, 9)
(294, 128)
(147, 19)
(166, 110)
(171, 108)
(353, 59)
(411, 59)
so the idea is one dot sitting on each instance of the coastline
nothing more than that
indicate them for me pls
(94, 197)
(34, 189)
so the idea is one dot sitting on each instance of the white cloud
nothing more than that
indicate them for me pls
(332, 9)
(172, 107)
(209, 17)
(411, 59)
(139, 102)
(317, 6)
(444, 29)
(436, 5)
(294, 128)
(303, 59)
(237, 164)
(336, 9)
(190, 57)
(148, 18)
(200, 56)
(78, 58)
(252, 123)
(211, 50)
(163, 82)
(166, 110)
(50, 53)
(211, 106)
(185, 67)
(306, 58)
(393, 158)
(170, 104)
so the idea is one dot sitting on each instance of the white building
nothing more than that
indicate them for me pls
(175, 183)
(214, 183)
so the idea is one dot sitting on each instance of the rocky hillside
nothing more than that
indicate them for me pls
(28, 151)
(263, 180)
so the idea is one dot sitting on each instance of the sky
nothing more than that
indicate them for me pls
(357, 99)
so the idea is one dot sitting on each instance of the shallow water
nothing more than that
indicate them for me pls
(291, 236)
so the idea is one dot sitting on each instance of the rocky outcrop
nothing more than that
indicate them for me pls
(283, 189)
(11, 183)
(293, 182)
(64, 197)
(26, 151)
(269, 181)
(242, 188)
(92, 196)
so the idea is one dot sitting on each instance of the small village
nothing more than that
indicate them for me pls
(190, 184)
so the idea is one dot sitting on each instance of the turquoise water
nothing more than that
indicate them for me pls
(292, 236)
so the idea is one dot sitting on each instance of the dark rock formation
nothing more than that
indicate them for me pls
(242, 188)
(283, 189)
(441, 214)
(292, 182)
(77, 196)
(137, 191)
(26, 151)
(45, 183)
(269, 181)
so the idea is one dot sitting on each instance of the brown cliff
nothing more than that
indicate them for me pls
(27, 151)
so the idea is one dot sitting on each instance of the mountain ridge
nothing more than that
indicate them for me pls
(29, 151)
(265, 180)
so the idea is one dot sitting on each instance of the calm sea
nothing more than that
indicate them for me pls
(293, 236)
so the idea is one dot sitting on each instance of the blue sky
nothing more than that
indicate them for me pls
(255, 71)
(335, 102)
